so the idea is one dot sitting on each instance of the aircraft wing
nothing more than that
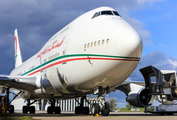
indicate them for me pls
(18, 82)
(128, 86)
(142, 83)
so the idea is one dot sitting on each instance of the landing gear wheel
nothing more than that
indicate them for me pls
(11, 109)
(32, 109)
(170, 113)
(78, 110)
(95, 109)
(85, 110)
(57, 110)
(1, 112)
(162, 113)
(25, 109)
(105, 112)
(49, 110)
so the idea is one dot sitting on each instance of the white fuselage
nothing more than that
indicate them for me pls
(86, 54)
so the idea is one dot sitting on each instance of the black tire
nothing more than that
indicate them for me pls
(57, 110)
(170, 113)
(105, 112)
(11, 109)
(85, 110)
(32, 109)
(106, 105)
(0, 112)
(78, 110)
(49, 110)
(25, 109)
(95, 109)
(162, 114)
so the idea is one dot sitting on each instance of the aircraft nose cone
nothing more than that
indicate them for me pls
(129, 43)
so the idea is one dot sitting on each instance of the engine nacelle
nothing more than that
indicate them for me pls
(140, 98)
(2, 90)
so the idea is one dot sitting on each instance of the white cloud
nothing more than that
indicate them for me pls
(157, 59)
(145, 36)
(173, 63)
(121, 104)
(127, 8)
(139, 26)
(149, 1)
(162, 45)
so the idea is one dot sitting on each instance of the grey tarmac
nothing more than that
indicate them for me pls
(42, 115)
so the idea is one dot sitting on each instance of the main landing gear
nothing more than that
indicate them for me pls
(10, 108)
(52, 108)
(6, 101)
(29, 108)
(81, 109)
(101, 105)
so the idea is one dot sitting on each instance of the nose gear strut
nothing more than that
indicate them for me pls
(101, 105)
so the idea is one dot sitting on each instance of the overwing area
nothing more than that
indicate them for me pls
(18, 82)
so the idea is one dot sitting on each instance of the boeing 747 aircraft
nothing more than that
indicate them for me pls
(91, 55)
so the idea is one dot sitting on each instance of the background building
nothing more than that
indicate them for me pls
(65, 105)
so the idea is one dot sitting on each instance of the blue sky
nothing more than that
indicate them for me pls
(160, 21)
(38, 20)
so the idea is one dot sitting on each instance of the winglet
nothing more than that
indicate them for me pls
(18, 57)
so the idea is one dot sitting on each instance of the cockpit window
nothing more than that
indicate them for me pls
(116, 13)
(96, 14)
(105, 13)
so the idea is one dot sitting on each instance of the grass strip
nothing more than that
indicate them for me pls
(16, 118)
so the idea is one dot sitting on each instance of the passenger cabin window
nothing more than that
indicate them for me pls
(99, 42)
(91, 44)
(103, 42)
(85, 46)
(88, 45)
(107, 41)
(95, 43)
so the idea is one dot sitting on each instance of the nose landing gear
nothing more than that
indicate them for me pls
(101, 105)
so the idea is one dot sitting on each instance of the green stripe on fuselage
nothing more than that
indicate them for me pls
(77, 55)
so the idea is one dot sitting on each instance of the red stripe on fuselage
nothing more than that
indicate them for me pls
(74, 59)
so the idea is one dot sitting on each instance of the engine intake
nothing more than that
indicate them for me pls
(140, 98)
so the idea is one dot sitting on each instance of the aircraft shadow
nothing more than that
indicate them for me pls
(71, 114)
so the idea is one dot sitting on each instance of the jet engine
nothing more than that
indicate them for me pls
(137, 95)
(140, 98)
